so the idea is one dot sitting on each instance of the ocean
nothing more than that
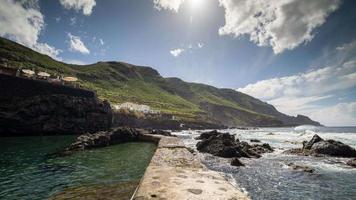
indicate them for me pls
(269, 177)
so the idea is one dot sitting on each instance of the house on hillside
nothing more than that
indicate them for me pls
(136, 107)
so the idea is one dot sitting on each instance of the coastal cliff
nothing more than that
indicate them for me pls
(30, 107)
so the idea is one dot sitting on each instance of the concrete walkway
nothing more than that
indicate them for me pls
(174, 174)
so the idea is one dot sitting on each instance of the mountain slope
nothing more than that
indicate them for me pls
(121, 82)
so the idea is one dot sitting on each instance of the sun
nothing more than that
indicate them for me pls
(196, 3)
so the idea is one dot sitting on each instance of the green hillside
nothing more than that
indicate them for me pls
(121, 82)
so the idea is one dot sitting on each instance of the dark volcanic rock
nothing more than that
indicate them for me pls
(102, 139)
(319, 147)
(255, 140)
(333, 148)
(222, 145)
(315, 139)
(206, 135)
(54, 114)
(236, 162)
(352, 162)
(225, 145)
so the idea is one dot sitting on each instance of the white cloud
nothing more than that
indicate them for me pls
(101, 42)
(316, 82)
(177, 52)
(342, 114)
(76, 44)
(172, 5)
(73, 21)
(23, 23)
(85, 5)
(281, 24)
(299, 94)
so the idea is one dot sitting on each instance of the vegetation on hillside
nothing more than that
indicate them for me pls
(121, 82)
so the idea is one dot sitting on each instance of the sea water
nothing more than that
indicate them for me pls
(270, 177)
(29, 171)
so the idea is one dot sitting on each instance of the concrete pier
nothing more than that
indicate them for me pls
(175, 174)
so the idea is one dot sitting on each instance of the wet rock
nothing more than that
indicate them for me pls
(236, 162)
(319, 147)
(206, 135)
(255, 140)
(315, 139)
(270, 133)
(301, 168)
(224, 145)
(332, 148)
(102, 139)
(352, 162)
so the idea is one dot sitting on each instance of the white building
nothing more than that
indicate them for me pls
(136, 107)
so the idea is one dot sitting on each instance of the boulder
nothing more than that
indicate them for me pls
(332, 148)
(225, 145)
(315, 139)
(222, 145)
(352, 162)
(320, 147)
(236, 162)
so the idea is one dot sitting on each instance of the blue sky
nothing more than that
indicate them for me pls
(298, 55)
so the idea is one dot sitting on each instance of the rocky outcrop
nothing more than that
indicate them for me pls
(53, 114)
(225, 145)
(320, 147)
(236, 162)
(103, 139)
(352, 162)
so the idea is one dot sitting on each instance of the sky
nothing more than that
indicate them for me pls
(298, 55)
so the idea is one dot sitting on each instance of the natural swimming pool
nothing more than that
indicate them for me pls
(27, 172)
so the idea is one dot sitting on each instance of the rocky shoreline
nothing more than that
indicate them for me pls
(226, 146)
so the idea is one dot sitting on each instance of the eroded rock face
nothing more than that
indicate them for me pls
(54, 114)
(225, 145)
(320, 147)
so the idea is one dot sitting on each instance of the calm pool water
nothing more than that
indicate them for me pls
(27, 172)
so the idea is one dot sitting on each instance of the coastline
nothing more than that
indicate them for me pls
(174, 173)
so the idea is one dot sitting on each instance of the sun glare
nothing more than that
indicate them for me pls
(196, 3)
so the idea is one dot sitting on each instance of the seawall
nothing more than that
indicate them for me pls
(175, 174)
